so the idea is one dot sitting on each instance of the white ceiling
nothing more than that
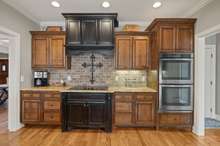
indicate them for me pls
(128, 10)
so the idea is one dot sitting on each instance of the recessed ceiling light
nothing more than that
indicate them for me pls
(106, 4)
(157, 4)
(55, 4)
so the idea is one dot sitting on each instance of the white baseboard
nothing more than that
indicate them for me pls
(217, 117)
(198, 132)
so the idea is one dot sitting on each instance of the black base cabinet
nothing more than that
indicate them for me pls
(86, 110)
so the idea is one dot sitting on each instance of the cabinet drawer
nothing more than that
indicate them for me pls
(176, 119)
(51, 105)
(123, 119)
(123, 107)
(29, 94)
(144, 97)
(123, 97)
(51, 117)
(51, 95)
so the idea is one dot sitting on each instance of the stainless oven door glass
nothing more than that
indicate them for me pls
(176, 97)
(176, 71)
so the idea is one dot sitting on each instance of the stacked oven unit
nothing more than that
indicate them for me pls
(176, 82)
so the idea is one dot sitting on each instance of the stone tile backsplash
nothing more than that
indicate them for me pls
(106, 74)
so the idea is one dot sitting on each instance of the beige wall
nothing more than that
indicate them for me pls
(208, 16)
(15, 21)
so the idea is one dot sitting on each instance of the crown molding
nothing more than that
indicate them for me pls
(22, 10)
(196, 8)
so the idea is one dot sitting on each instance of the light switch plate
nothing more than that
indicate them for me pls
(22, 78)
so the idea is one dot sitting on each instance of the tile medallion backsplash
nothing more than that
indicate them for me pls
(106, 74)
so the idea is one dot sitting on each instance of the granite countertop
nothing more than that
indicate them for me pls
(47, 88)
(109, 90)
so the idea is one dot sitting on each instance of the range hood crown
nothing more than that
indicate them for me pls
(90, 31)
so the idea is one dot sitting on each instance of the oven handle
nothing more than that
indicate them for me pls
(177, 59)
(176, 86)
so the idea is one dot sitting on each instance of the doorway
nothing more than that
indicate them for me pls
(210, 84)
(201, 80)
(4, 84)
(10, 41)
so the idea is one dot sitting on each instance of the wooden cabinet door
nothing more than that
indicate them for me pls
(89, 31)
(106, 32)
(57, 51)
(40, 51)
(31, 111)
(96, 113)
(144, 112)
(80, 117)
(123, 109)
(167, 38)
(184, 39)
(123, 52)
(73, 32)
(140, 52)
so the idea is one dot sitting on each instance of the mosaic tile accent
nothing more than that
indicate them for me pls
(127, 78)
(152, 79)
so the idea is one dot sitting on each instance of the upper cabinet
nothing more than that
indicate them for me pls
(132, 50)
(48, 50)
(173, 35)
(185, 37)
(167, 38)
(90, 31)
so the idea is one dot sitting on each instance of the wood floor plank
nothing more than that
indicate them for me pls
(52, 136)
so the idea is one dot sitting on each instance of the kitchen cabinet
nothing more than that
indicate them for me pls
(123, 52)
(106, 32)
(40, 51)
(135, 109)
(48, 50)
(184, 37)
(131, 51)
(90, 31)
(145, 109)
(181, 120)
(31, 110)
(40, 107)
(173, 35)
(86, 110)
(140, 52)
(167, 38)
(80, 116)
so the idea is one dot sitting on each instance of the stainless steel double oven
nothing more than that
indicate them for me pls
(176, 82)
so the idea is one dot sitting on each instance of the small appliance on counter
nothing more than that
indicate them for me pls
(40, 78)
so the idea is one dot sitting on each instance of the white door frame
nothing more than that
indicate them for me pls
(213, 89)
(14, 78)
(199, 106)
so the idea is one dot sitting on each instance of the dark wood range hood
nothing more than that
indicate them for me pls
(88, 31)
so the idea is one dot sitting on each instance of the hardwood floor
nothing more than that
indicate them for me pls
(3, 119)
(52, 136)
